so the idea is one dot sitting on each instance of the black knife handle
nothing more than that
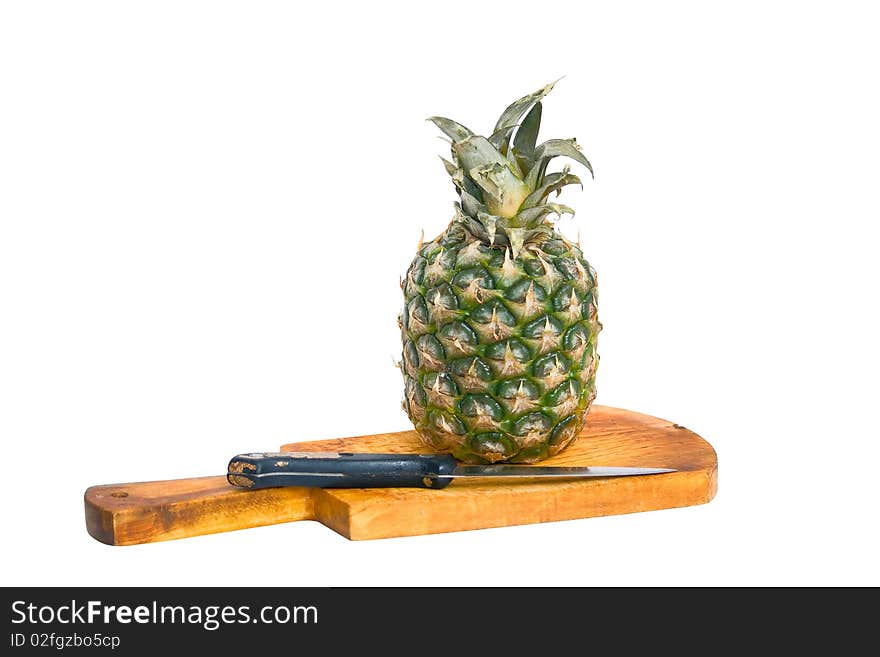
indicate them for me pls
(341, 470)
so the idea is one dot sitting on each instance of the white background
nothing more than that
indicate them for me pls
(206, 207)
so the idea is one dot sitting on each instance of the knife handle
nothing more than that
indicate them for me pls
(341, 470)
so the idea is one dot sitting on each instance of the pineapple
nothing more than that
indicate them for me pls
(499, 323)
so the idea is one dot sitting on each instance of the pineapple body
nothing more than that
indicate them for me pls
(499, 354)
(499, 324)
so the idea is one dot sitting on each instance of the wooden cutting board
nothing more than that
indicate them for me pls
(128, 514)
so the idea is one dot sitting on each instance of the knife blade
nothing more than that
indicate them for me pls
(359, 470)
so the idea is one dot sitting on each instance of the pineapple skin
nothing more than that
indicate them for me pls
(499, 352)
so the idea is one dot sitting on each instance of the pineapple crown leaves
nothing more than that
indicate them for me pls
(502, 180)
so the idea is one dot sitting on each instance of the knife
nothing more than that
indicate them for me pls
(350, 470)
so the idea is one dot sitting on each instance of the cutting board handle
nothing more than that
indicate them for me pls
(144, 512)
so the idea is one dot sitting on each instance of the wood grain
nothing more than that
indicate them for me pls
(144, 512)
(128, 514)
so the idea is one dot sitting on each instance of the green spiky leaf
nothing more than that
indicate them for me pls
(533, 216)
(503, 191)
(490, 223)
(471, 204)
(475, 152)
(526, 138)
(535, 177)
(471, 223)
(455, 131)
(553, 182)
(451, 169)
(516, 109)
(554, 148)
(491, 178)
(514, 165)
(517, 237)
(466, 184)
(460, 180)
(501, 138)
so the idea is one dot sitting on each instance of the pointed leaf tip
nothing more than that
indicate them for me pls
(517, 237)
(451, 169)
(450, 128)
(517, 108)
(490, 223)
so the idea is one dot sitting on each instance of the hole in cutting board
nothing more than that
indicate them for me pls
(119, 493)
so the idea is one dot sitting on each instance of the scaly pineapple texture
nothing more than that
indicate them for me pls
(499, 323)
